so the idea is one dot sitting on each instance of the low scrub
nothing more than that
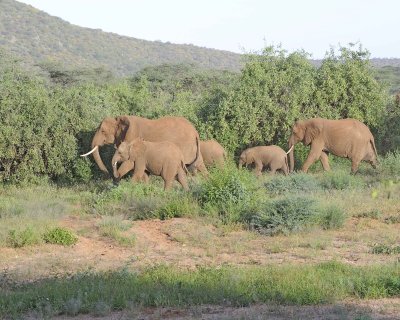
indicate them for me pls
(296, 213)
(385, 249)
(297, 182)
(229, 193)
(285, 215)
(61, 236)
(340, 180)
(169, 287)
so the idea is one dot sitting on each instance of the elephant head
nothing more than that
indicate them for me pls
(247, 157)
(121, 154)
(305, 132)
(111, 130)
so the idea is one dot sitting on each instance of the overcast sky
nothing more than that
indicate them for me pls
(242, 25)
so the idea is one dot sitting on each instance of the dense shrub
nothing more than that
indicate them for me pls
(285, 215)
(340, 180)
(230, 193)
(61, 236)
(331, 217)
(298, 182)
(22, 238)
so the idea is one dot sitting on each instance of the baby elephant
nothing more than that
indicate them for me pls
(272, 156)
(163, 159)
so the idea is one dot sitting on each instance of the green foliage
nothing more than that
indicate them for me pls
(230, 193)
(372, 214)
(285, 215)
(162, 286)
(297, 182)
(275, 88)
(92, 49)
(331, 217)
(22, 238)
(61, 236)
(340, 180)
(385, 249)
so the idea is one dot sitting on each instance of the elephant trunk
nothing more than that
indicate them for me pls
(240, 165)
(97, 158)
(291, 154)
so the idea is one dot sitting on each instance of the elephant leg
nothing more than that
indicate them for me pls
(354, 165)
(167, 184)
(314, 155)
(182, 179)
(258, 168)
(325, 161)
(125, 167)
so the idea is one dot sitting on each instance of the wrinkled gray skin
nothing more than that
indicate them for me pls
(163, 159)
(272, 156)
(177, 130)
(347, 138)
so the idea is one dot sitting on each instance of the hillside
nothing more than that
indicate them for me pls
(36, 36)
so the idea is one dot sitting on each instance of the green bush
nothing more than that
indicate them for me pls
(229, 193)
(289, 214)
(340, 180)
(390, 164)
(22, 238)
(385, 249)
(61, 236)
(294, 183)
(331, 217)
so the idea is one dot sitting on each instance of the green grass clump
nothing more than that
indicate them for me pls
(113, 226)
(24, 237)
(100, 293)
(229, 193)
(61, 236)
(390, 165)
(385, 249)
(372, 214)
(340, 180)
(331, 217)
(285, 215)
(297, 182)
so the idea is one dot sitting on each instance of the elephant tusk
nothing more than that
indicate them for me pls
(290, 149)
(115, 163)
(91, 151)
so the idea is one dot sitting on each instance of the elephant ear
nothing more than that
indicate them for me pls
(126, 130)
(313, 130)
(121, 129)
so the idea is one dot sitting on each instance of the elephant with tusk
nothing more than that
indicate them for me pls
(348, 138)
(177, 130)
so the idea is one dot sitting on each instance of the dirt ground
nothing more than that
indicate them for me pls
(188, 243)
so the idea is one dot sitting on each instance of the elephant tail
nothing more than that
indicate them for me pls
(184, 167)
(197, 152)
(372, 141)
(286, 162)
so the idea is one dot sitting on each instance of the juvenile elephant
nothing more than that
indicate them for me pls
(272, 156)
(177, 130)
(163, 159)
(348, 138)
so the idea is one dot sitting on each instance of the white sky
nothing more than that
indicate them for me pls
(243, 25)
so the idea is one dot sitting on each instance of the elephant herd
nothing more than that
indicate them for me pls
(167, 146)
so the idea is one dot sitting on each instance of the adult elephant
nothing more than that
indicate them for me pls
(348, 138)
(177, 130)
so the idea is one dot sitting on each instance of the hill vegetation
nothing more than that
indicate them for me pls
(38, 37)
